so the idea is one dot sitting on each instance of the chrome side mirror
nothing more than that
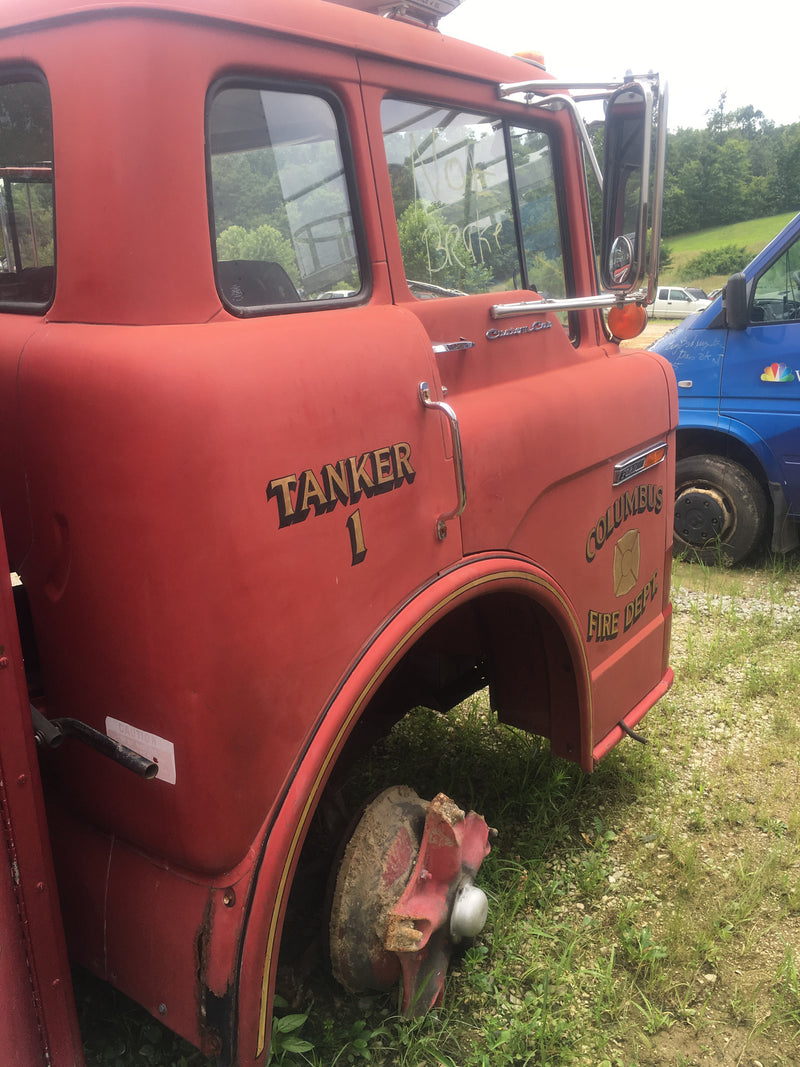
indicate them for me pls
(626, 184)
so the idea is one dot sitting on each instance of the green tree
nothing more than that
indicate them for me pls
(247, 191)
(741, 166)
(262, 243)
(434, 251)
(745, 121)
(728, 178)
(786, 182)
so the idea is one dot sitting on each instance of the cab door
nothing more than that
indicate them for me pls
(490, 208)
(290, 498)
(451, 177)
(490, 211)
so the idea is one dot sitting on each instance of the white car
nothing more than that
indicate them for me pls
(677, 301)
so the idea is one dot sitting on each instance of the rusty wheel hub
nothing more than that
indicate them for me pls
(405, 894)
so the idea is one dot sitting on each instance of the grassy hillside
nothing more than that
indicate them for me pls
(752, 235)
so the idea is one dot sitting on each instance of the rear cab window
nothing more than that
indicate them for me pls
(285, 234)
(468, 221)
(27, 231)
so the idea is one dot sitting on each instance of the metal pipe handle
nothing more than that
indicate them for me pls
(458, 457)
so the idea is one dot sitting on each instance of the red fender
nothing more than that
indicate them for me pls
(283, 839)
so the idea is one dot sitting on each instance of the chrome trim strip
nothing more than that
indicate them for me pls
(543, 86)
(453, 346)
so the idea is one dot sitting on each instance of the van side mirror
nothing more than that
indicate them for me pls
(734, 299)
(626, 183)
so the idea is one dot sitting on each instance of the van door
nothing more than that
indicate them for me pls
(761, 369)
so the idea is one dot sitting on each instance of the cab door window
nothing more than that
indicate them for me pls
(27, 233)
(535, 180)
(283, 227)
(466, 223)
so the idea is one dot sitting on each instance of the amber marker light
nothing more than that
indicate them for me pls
(627, 321)
(531, 56)
(642, 461)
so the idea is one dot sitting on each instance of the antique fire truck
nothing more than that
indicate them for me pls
(313, 412)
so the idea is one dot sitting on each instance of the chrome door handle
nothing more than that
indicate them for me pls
(458, 456)
(453, 346)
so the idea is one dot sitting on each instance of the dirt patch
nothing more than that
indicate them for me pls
(654, 329)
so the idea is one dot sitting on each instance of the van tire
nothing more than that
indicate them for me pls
(720, 510)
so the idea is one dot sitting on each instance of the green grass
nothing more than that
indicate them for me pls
(752, 235)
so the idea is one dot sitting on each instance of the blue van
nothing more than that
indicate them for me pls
(737, 480)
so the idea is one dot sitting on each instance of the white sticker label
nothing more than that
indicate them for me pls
(151, 746)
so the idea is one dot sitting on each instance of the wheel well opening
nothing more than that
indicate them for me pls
(723, 507)
(505, 643)
(713, 443)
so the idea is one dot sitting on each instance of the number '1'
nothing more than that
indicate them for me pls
(354, 528)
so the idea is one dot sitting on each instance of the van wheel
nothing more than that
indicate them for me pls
(720, 510)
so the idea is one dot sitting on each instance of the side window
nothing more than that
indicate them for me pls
(282, 219)
(679, 294)
(455, 207)
(27, 233)
(777, 291)
(534, 171)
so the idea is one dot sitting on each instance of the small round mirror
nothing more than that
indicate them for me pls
(620, 259)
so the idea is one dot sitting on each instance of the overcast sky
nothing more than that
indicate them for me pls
(702, 49)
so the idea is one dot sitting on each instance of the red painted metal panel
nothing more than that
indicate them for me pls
(180, 580)
(37, 1021)
(210, 625)
(19, 1021)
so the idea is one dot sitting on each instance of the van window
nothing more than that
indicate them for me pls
(777, 291)
(283, 229)
(27, 234)
(456, 211)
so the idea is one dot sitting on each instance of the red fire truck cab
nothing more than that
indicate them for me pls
(312, 414)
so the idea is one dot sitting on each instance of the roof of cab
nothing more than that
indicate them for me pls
(316, 20)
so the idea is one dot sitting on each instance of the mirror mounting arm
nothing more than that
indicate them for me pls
(559, 102)
(658, 193)
(575, 303)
